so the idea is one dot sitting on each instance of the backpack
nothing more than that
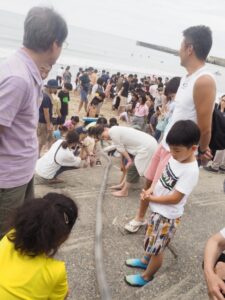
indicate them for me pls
(217, 141)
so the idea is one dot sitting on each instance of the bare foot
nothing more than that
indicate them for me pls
(120, 194)
(116, 187)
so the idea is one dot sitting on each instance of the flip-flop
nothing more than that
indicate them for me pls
(137, 263)
(136, 280)
(133, 226)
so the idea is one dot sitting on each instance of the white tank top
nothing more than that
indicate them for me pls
(184, 101)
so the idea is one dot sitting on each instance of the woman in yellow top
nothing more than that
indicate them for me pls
(27, 267)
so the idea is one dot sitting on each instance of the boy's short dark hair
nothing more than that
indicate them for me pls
(40, 225)
(68, 86)
(183, 133)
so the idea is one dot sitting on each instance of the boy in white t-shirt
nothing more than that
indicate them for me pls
(167, 201)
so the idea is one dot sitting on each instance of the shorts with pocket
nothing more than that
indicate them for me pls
(159, 233)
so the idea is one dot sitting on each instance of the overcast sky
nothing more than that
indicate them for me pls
(160, 22)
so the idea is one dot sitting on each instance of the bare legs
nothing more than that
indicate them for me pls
(123, 192)
(81, 105)
(154, 265)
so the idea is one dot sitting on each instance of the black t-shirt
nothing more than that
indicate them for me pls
(85, 82)
(46, 103)
(64, 98)
(125, 89)
(95, 101)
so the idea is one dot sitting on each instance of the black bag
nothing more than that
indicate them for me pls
(217, 141)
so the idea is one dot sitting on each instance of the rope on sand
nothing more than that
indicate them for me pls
(100, 272)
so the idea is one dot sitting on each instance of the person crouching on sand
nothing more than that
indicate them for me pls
(59, 158)
(136, 147)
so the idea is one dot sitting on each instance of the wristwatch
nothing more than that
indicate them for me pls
(200, 151)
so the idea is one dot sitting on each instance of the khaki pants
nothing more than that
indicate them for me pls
(12, 198)
(44, 136)
(123, 103)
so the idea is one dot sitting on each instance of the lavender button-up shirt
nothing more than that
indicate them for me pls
(20, 94)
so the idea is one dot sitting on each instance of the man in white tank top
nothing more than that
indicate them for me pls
(194, 101)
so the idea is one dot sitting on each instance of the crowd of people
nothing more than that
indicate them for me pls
(166, 136)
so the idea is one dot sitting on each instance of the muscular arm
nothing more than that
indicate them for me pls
(204, 97)
(46, 115)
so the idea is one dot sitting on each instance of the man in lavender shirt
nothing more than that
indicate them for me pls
(20, 95)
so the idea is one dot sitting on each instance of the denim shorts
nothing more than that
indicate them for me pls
(83, 95)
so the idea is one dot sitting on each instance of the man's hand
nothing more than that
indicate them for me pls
(215, 287)
(49, 126)
(206, 156)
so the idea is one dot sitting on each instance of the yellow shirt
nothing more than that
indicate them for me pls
(26, 278)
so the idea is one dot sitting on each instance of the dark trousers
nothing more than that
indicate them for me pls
(12, 198)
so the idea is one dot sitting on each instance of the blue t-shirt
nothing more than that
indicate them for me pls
(57, 134)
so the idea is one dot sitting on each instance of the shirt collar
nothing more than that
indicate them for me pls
(30, 65)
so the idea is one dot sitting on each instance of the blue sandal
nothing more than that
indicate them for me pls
(137, 263)
(136, 280)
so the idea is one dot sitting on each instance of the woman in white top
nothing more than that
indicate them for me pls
(60, 157)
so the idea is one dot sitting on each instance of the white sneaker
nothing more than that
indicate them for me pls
(133, 226)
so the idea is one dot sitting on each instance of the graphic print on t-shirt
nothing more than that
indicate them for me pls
(65, 99)
(168, 178)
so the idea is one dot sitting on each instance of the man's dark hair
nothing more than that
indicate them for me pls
(42, 27)
(40, 225)
(172, 86)
(183, 133)
(200, 37)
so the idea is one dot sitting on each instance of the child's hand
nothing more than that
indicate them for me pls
(146, 194)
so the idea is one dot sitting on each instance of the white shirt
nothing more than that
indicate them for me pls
(182, 177)
(135, 142)
(60, 72)
(46, 166)
(185, 106)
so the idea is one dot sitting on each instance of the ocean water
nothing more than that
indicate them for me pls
(102, 51)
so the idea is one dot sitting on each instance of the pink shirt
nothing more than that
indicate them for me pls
(141, 110)
(20, 95)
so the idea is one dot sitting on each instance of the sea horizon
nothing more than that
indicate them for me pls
(102, 51)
